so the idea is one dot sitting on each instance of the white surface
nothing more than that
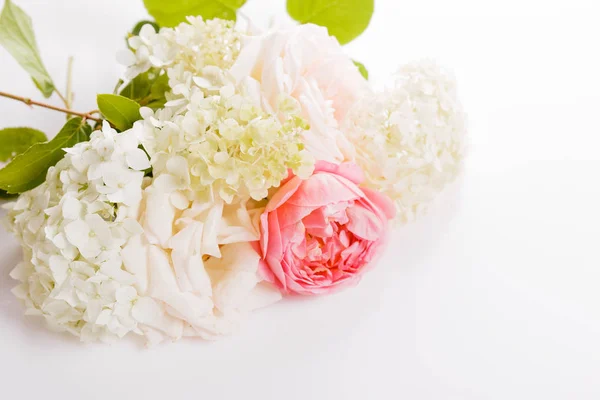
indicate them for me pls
(493, 296)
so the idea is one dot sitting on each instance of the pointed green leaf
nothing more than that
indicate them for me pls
(173, 12)
(28, 169)
(345, 19)
(362, 69)
(138, 88)
(16, 35)
(157, 98)
(118, 110)
(148, 89)
(14, 141)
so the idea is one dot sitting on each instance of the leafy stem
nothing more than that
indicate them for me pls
(30, 102)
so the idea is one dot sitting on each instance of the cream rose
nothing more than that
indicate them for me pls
(305, 63)
(196, 267)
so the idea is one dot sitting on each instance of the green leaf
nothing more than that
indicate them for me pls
(4, 195)
(119, 110)
(362, 69)
(16, 35)
(345, 19)
(14, 141)
(173, 12)
(148, 89)
(157, 98)
(28, 169)
(138, 88)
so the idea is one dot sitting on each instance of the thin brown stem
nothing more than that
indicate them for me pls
(30, 102)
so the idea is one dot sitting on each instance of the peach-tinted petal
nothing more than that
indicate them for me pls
(364, 223)
(274, 246)
(348, 170)
(290, 214)
(383, 202)
(322, 189)
(284, 193)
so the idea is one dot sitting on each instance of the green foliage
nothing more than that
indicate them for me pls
(16, 35)
(14, 141)
(345, 19)
(119, 110)
(362, 69)
(148, 89)
(4, 195)
(28, 169)
(171, 13)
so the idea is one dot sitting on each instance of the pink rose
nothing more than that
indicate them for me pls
(320, 234)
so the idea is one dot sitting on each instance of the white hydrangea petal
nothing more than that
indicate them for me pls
(21, 271)
(103, 318)
(126, 142)
(71, 208)
(126, 294)
(167, 183)
(126, 57)
(59, 267)
(20, 291)
(98, 228)
(137, 159)
(77, 232)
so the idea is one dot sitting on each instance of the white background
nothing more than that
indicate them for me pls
(494, 295)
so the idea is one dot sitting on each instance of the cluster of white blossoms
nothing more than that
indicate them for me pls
(214, 139)
(109, 251)
(215, 151)
(188, 47)
(410, 140)
(72, 229)
(224, 146)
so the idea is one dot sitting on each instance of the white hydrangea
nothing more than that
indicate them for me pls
(72, 229)
(190, 47)
(222, 145)
(216, 138)
(410, 140)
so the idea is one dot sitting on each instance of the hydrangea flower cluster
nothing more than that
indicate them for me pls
(73, 228)
(188, 47)
(410, 140)
(214, 137)
(224, 145)
(271, 168)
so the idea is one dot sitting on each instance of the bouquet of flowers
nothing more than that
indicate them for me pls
(231, 167)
